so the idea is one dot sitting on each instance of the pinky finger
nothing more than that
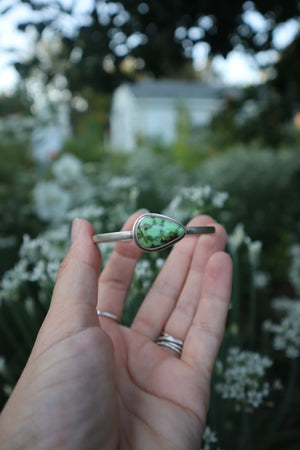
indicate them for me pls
(206, 332)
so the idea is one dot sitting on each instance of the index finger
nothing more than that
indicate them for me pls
(73, 304)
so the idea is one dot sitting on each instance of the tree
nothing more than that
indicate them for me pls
(286, 81)
(159, 36)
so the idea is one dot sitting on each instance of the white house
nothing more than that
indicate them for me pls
(149, 108)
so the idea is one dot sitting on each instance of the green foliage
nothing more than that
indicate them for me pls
(287, 74)
(268, 183)
(260, 117)
(17, 177)
(16, 104)
(183, 148)
(91, 127)
(89, 137)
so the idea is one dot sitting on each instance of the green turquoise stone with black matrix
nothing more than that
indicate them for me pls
(155, 232)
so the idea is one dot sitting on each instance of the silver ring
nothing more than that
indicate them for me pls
(152, 232)
(108, 314)
(168, 341)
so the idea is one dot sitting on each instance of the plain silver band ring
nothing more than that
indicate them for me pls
(108, 314)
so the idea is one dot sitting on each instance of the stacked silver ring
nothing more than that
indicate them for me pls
(168, 341)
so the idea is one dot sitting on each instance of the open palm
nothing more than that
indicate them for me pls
(105, 387)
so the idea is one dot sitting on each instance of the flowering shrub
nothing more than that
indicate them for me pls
(192, 201)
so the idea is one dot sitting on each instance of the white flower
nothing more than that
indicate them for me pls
(287, 331)
(192, 201)
(51, 202)
(2, 365)
(243, 377)
(205, 191)
(89, 212)
(12, 279)
(32, 249)
(143, 269)
(261, 279)
(57, 236)
(254, 398)
(39, 261)
(254, 251)
(236, 238)
(219, 199)
(159, 263)
(209, 437)
(38, 272)
(52, 269)
(50, 245)
(67, 170)
(120, 183)
(143, 275)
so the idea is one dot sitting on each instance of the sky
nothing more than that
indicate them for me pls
(238, 68)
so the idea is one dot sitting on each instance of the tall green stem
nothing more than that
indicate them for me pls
(245, 433)
(252, 309)
(284, 406)
(28, 338)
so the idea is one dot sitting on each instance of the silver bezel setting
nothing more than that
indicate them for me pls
(161, 247)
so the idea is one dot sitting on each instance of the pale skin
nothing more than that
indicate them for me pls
(91, 383)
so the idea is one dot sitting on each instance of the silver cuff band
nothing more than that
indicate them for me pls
(165, 232)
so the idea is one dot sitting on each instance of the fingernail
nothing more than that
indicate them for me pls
(75, 229)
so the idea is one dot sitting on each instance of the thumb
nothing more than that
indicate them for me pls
(74, 299)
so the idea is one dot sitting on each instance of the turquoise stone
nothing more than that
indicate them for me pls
(154, 232)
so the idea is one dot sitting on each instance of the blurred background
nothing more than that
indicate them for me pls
(180, 107)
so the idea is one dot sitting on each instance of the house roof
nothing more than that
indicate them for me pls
(175, 89)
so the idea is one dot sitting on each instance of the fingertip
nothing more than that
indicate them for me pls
(221, 260)
(219, 272)
(82, 252)
(220, 234)
(81, 227)
(75, 231)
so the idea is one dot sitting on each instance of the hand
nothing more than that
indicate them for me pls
(91, 383)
